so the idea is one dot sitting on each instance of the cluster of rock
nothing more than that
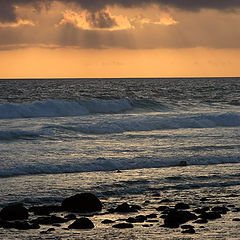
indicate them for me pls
(17, 216)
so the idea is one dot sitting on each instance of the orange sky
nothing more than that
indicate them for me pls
(74, 40)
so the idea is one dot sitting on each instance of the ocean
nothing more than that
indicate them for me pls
(59, 137)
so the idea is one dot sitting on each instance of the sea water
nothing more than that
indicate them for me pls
(59, 137)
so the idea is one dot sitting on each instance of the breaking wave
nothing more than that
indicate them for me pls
(59, 108)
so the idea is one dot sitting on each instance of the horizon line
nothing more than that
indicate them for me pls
(81, 78)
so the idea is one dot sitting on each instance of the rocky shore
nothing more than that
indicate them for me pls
(77, 212)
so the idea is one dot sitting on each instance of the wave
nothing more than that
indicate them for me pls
(151, 122)
(18, 134)
(59, 108)
(104, 164)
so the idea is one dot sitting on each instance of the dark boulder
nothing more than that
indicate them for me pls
(125, 208)
(182, 206)
(81, 223)
(210, 215)
(137, 219)
(123, 225)
(45, 210)
(201, 210)
(221, 210)
(49, 220)
(162, 208)
(187, 226)
(84, 203)
(175, 218)
(190, 231)
(201, 220)
(183, 163)
(14, 212)
(152, 215)
(70, 216)
(107, 221)
(23, 225)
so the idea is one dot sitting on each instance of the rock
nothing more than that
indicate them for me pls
(107, 221)
(236, 219)
(182, 206)
(125, 208)
(147, 225)
(137, 219)
(84, 203)
(202, 220)
(183, 163)
(201, 210)
(190, 230)
(70, 216)
(221, 210)
(162, 208)
(19, 225)
(14, 212)
(175, 218)
(82, 223)
(166, 200)
(49, 220)
(210, 215)
(136, 207)
(236, 210)
(123, 225)
(152, 220)
(152, 215)
(187, 226)
(45, 210)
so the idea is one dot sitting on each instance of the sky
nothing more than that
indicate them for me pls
(119, 38)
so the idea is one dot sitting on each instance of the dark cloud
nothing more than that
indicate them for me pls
(7, 9)
(101, 19)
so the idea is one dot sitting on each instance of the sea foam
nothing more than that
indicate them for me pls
(59, 108)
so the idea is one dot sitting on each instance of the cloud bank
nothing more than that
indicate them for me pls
(8, 7)
(132, 24)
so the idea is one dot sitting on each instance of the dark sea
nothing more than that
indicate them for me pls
(59, 137)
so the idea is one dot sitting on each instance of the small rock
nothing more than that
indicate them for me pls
(190, 230)
(210, 215)
(81, 223)
(45, 210)
(107, 221)
(125, 208)
(202, 220)
(70, 216)
(162, 208)
(166, 200)
(152, 215)
(123, 225)
(175, 218)
(147, 225)
(183, 163)
(182, 206)
(49, 220)
(221, 210)
(236, 219)
(187, 226)
(137, 219)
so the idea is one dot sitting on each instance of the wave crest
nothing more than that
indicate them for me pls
(59, 108)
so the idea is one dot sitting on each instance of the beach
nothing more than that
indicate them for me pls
(144, 142)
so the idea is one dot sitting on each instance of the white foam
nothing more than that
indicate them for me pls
(58, 108)
(111, 164)
(150, 122)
